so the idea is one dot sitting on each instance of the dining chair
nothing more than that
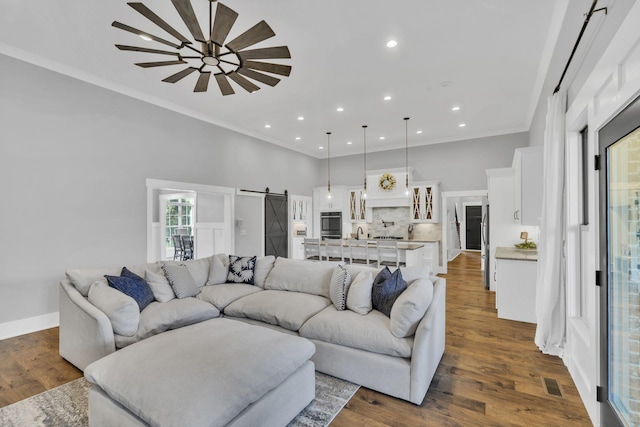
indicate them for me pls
(358, 252)
(187, 246)
(388, 253)
(178, 251)
(334, 250)
(312, 249)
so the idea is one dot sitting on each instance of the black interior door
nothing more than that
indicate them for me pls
(473, 233)
(276, 225)
(619, 236)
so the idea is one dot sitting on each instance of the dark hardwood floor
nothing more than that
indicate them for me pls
(490, 375)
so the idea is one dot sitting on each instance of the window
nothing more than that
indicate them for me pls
(179, 218)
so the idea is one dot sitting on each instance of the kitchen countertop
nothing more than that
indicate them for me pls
(516, 254)
(403, 245)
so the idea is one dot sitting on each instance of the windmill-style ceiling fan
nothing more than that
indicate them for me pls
(213, 56)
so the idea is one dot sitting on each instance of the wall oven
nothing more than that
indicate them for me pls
(330, 225)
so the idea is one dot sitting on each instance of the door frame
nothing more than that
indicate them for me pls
(463, 226)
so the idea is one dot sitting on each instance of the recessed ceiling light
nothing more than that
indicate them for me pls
(382, 137)
(298, 138)
(455, 108)
(321, 148)
(340, 109)
(300, 118)
(349, 142)
(267, 126)
(387, 98)
(145, 37)
(419, 131)
(461, 125)
(392, 43)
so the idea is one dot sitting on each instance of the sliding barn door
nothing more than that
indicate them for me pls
(276, 225)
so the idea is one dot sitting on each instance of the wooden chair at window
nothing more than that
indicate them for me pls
(388, 254)
(358, 252)
(178, 252)
(334, 250)
(312, 249)
(187, 246)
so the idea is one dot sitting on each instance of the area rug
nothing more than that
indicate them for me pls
(66, 406)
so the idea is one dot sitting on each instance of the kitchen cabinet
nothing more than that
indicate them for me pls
(300, 220)
(297, 248)
(516, 284)
(527, 165)
(428, 254)
(337, 202)
(300, 208)
(357, 206)
(425, 202)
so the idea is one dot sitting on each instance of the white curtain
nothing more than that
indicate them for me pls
(550, 285)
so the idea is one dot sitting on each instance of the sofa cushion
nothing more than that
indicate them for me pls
(226, 293)
(340, 281)
(83, 278)
(139, 290)
(421, 271)
(160, 317)
(198, 268)
(122, 310)
(387, 287)
(263, 268)
(241, 269)
(355, 269)
(359, 294)
(286, 309)
(410, 308)
(370, 332)
(181, 280)
(202, 375)
(159, 285)
(311, 277)
(218, 270)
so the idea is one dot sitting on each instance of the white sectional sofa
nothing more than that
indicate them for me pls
(396, 355)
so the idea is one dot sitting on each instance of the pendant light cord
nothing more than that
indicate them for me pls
(406, 152)
(364, 131)
(329, 163)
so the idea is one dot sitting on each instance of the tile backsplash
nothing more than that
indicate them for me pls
(399, 216)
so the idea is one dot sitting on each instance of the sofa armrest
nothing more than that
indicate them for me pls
(86, 334)
(429, 341)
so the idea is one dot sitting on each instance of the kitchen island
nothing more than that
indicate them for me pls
(516, 271)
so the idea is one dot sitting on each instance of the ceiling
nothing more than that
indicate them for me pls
(487, 57)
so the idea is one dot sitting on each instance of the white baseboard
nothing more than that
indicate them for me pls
(31, 324)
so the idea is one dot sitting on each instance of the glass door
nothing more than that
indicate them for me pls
(620, 262)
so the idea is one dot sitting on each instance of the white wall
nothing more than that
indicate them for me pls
(73, 163)
(250, 237)
(457, 165)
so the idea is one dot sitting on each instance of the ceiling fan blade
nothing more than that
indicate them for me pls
(144, 49)
(188, 16)
(159, 64)
(246, 84)
(225, 86)
(259, 32)
(147, 13)
(283, 70)
(225, 18)
(143, 33)
(271, 81)
(179, 75)
(203, 82)
(266, 53)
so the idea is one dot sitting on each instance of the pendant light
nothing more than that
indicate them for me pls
(328, 165)
(364, 130)
(406, 155)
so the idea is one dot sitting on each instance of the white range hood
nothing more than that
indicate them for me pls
(386, 188)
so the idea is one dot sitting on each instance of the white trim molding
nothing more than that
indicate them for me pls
(29, 325)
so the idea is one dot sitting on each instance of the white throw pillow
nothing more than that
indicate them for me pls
(410, 307)
(83, 278)
(122, 310)
(340, 281)
(262, 270)
(160, 286)
(218, 270)
(359, 295)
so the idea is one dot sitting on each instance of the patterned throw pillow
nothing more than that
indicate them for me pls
(387, 287)
(139, 290)
(181, 280)
(340, 281)
(241, 269)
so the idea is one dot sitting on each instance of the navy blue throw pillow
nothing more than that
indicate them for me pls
(125, 272)
(387, 287)
(139, 290)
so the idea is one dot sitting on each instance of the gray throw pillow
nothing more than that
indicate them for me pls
(181, 280)
(340, 281)
(387, 287)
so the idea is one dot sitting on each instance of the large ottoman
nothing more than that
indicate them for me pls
(215, 373)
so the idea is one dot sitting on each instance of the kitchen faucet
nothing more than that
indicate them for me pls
(358, 231)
